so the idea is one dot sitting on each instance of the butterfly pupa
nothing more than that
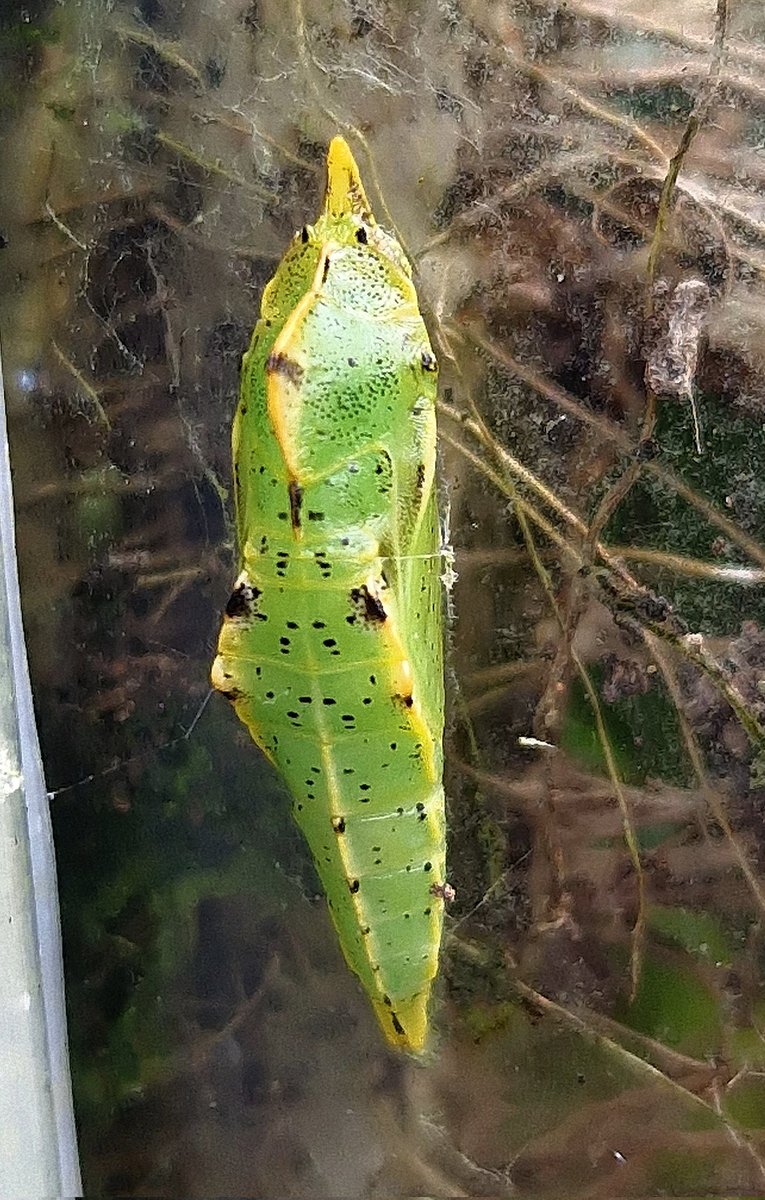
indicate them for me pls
(331, 644)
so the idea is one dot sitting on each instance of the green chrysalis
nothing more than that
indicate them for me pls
(331, 646)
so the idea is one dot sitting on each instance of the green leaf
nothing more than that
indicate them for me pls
(744, 1102)
(643, 731)
(656, 516)
(674, 1006)
(700, 933)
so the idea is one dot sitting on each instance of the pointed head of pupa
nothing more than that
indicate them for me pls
(346, 218)
(345, 196)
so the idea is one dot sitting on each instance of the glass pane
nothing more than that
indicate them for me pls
(579, 189)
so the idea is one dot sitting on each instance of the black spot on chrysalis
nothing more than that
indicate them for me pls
(296, 502)
(242, 601)
(369, 606)
(399, 1028)
(282, 364)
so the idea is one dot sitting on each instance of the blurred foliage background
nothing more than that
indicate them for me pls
(579, 186)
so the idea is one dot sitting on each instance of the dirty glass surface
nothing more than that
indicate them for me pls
(579, 186)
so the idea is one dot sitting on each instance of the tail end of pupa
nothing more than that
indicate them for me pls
(405, 1023)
